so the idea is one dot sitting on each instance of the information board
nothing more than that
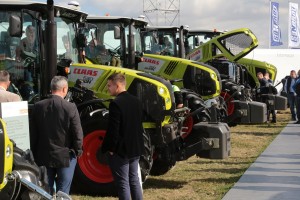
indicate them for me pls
(15, 115)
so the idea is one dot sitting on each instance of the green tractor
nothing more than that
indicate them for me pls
(170, 134)
(30, 73)
(226, 45)
(240, 109)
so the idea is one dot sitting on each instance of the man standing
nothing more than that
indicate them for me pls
(6, 96)
(124, 138)
(56, 136)
(291, 94)
(266, 88)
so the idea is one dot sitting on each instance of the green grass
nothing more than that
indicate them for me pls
(198, 178)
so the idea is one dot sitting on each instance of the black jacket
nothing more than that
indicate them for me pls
(55, 132)
(124, 135)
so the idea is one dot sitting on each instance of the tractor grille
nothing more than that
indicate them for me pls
(170, 68)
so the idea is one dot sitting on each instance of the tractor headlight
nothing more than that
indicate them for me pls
(213, 76)
(162, 91)
(8, 151)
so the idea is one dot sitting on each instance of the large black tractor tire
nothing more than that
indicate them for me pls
(161, 167)
(23, 164)
(163, 162)
(92, 174)
(146, 160)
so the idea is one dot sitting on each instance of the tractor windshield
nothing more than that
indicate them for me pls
(20, 55)
(66, 41)
(106, 49)
(159, 42)
(101, 43)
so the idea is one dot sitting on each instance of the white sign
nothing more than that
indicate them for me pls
(15, 115)
(294, 33)
(88, 75)
(196, 55)
(150, 64)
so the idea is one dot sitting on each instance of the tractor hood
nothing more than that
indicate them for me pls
(201, 78)
(232, 45)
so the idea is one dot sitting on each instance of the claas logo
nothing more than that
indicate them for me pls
(88, 72)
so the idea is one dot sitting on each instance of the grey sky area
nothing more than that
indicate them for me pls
(200, 14)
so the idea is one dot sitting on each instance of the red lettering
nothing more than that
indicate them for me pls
(155, 62)
(85, 72)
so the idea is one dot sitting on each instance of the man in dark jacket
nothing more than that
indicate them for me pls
(266, 87)
(124, 138)
(56, 136)
(291, 94)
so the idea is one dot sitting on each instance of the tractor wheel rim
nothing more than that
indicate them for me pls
(89, 163)
(230, 104)
(189, 122)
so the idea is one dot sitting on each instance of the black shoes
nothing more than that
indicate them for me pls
(297, 122)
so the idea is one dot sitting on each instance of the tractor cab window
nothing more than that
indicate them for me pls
(151, 44)
(20, 56)
(102, 47)
(66, 41)
(137, 39)
(167, 45)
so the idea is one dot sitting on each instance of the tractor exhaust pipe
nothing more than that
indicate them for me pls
(51, 50)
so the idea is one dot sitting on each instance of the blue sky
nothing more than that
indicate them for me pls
(199, 14)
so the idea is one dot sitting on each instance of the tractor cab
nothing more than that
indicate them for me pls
(37, 41)
(114, 41)
(28, 45)
(164, 40)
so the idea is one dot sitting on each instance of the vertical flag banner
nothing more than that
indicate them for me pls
(294, 34)
(275, 29)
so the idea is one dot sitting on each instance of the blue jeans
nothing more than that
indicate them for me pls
(62, 177)
(292, 103)
(125, 173)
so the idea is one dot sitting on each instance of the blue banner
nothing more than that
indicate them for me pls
(275, 29)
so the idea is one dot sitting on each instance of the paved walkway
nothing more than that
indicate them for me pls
(275, 175)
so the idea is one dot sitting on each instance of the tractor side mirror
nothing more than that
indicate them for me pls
(15, 26)
(117, 32)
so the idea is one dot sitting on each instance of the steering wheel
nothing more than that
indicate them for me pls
(115, 51)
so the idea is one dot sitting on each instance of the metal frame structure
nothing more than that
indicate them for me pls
(164, 12)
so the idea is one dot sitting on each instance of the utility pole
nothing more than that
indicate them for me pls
(162, 12)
